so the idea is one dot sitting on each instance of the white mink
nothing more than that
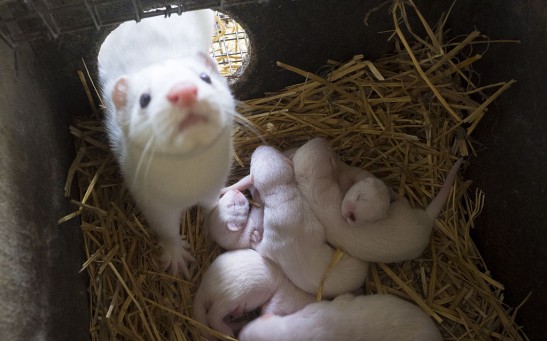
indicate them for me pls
(403, 234)
(366, 197)
(293, 237)
(241, 281)
(169, 115)
(234, 224)
(366, 201)
(362, 318)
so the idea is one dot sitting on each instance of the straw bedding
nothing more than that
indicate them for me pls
(405, 117)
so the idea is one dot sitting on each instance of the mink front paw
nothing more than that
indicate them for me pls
(174, 257)
(234, 209)
(256, 238)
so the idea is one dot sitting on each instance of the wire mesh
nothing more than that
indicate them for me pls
(230, 45)
(29, 20)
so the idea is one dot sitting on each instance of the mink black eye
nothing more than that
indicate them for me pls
(145, 100)
(205, 77)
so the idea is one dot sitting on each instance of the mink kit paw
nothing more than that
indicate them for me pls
(233, 223)
(256, 238)
(234, 207)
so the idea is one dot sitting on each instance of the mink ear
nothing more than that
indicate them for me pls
(119, 94)
(208, 61)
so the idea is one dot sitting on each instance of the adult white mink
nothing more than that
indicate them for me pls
(169, 116)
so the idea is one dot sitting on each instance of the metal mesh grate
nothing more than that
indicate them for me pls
(230, 45)
(28, 20)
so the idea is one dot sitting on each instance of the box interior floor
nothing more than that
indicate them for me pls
(43, 295)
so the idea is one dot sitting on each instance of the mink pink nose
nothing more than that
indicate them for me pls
(183, 95)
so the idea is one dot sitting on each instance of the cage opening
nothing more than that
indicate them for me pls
(230, 47)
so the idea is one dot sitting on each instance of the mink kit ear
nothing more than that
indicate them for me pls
(208, 61)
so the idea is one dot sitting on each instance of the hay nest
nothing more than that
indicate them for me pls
(405, 117)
